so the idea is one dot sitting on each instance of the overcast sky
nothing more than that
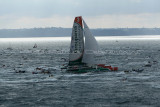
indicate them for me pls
(96, 13)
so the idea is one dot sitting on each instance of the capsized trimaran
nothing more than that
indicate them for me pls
(84, 56)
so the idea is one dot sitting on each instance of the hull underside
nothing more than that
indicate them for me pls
(85, 69)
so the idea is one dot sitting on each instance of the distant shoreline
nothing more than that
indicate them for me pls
(66, 32)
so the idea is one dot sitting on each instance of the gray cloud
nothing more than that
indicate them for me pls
(60, 13)
(47, 8)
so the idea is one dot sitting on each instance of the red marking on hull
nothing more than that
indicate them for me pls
(78, 20)
(109, 67)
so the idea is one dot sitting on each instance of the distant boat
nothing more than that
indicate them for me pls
(84, 54)
(35, 45)
(148, 65)
(9, 48)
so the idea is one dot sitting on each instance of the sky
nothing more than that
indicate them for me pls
(15, 14)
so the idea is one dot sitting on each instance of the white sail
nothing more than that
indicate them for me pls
(91, 49)
(77, 42)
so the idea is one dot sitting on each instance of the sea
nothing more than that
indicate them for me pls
(135, 84)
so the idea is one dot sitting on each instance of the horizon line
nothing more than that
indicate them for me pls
(90, 28)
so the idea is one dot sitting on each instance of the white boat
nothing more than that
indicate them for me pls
(84, 50)
(35, 45)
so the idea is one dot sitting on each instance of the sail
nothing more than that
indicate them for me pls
(77, 42)
(35, 46)
(91, 49)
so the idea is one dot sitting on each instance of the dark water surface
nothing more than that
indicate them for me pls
(106, 89)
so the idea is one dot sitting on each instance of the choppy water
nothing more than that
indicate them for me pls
(79, 90)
